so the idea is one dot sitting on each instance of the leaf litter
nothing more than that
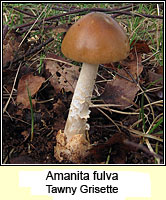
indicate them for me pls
(121, 91)
(33, 83)
(10, 47)
(63, 77)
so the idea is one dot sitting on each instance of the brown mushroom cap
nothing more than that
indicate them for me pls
(96, 39)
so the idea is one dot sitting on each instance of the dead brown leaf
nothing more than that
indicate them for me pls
(121, 91)
(64, 77)
(59, 107)
(140, 46)
(159, 70)
(33, 83)
(119, 149)
(155, 77)
(134, 67)
(10, 47)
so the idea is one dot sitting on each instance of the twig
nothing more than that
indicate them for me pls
(74, 12)
(8, 94)
(61, 61)
(158, 116)
(11, 117)
(21, 11)
(12, 89)
(152, 151)
(137, 14)
(34, 50)
(141, 134)
(32, 26)
(109, 119)
(116, 73)
(105, 106)
(141, 147)
(5, 30)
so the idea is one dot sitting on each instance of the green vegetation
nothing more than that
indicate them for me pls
(32, 114)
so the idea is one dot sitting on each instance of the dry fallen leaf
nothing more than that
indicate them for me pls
(10, 46)
(156, 78)
(159, 70)
(119, 149)
(64, 77)
(140, 46)
(33, 83)
(121, 91)
(59, 107)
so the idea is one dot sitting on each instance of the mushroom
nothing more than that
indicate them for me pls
(94, 39)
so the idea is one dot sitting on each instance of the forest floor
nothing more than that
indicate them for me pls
(126, 119)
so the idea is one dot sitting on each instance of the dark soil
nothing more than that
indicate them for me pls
(18, 149)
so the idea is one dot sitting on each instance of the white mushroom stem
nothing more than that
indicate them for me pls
(79, 108)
